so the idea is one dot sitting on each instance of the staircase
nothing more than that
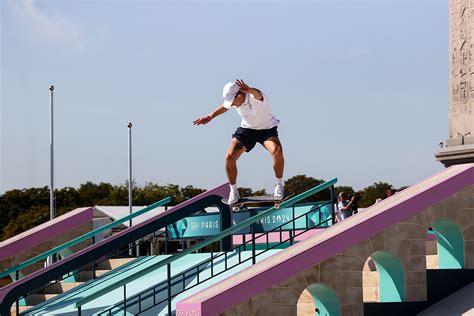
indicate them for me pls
(52, 290)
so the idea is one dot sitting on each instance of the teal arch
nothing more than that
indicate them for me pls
(325, 300)
(450, 244)
(391, 276)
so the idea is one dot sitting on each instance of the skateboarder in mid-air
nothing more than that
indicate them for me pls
(258, 125)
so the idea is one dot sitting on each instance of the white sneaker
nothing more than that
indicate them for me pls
(234, 197)
(279, 192)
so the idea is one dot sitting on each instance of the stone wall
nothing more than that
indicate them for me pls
(461, 114)
(348, 273)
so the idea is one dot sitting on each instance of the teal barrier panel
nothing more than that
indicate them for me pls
(204, 225)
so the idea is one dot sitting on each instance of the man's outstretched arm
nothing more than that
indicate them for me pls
(206, 119)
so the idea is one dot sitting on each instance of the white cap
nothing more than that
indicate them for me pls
(229, 92)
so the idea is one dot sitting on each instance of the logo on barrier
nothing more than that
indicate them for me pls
(202, 225)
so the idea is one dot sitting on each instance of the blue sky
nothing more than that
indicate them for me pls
(360, 87)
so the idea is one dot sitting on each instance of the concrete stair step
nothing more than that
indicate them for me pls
(85, 276)
(35, 299)
(21, 309)
(61, 287)
(113, 263)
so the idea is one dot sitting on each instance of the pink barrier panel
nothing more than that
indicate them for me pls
(275, 237)
(45, 232)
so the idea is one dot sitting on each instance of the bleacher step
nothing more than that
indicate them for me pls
(21, 309)
(35, 299)
(113, 263)
(60, 287)
(85, 276)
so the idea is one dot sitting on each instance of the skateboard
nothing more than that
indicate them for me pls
(244, 201)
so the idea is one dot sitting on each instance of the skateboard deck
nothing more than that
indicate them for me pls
(244, 201)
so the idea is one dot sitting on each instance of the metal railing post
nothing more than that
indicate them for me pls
(212, 262)
(17, 275)
(125, 299)
(184, 281)
(198, 274)
(293, 231)
(332, 205)
(225, 255)
(168, 266)
(166, 240)
(94, 276)
(252, 228)
(93, 262)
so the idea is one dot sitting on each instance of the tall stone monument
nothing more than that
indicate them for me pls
(459, 148)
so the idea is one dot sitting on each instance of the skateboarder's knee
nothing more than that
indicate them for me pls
(277, 151)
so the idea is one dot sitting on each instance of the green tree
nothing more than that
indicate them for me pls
(301, 183)
(27, 198)
(14, 202)
(346, 189)
(118, 195)
(67, 199)
(93, 194)
(189, 192)
(373, 192)
(28, 219)
(248, 192)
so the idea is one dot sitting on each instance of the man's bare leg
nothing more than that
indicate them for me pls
(236, 149)
(274, 147)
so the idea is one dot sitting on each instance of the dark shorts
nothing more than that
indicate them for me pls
(249, 137)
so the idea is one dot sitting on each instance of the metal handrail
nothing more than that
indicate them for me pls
(83, 237)
(192, 272)
(207, 242)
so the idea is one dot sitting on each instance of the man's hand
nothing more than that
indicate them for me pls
(203, 120)
(257, 94)
(242, 86)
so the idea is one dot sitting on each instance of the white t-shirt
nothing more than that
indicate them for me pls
(256, 114)
(344, 213)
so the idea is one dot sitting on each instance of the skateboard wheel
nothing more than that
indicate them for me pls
(236, 208)
(277, 205)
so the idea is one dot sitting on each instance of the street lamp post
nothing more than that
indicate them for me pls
(51, 198)
(130, 186)
(52, 201)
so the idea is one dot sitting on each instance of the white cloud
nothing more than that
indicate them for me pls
(54, 29)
